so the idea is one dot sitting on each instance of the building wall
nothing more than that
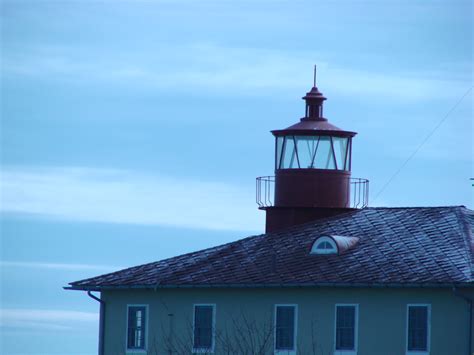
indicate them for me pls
(382, 318)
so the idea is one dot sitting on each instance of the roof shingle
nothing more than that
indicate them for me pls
(397, 247)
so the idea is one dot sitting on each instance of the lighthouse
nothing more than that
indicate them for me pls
(313, 160)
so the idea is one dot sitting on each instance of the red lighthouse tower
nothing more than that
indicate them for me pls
(312, 171)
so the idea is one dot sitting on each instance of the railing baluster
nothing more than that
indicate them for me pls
(359, 195)
(367, 195)
(353, 195)
(266, 192)
(256, 191)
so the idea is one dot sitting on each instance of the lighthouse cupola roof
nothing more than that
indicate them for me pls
(314, 96)
(313, 122)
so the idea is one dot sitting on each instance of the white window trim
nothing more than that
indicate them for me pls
(428, 335)
(316, 251)
(295, 335)
(356, 329)
(147, 317)
(205, 350)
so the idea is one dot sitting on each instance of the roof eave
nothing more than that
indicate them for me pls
(307, 285)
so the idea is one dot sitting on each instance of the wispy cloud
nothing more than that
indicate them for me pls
(116, 196)
(41, 319)
(218, 68)
(58, 266)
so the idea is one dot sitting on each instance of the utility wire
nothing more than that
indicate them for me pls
(422, 143)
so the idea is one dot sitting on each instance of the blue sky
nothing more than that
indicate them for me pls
(132, 131)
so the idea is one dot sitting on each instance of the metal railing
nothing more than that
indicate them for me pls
(359, 194)
(265, 192)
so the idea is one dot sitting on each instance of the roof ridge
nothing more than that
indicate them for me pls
(321, 219)
(220, 246)
(217, 248)
(417, 207)
(462, 210)
(413, 239)
(357, 210)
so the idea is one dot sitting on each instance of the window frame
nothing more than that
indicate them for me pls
(356, 329)
(428, 329)
(213, 337)
(295, 334)
(320, 240)
(145, 338)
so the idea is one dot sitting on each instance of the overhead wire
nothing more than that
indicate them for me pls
(445, 117)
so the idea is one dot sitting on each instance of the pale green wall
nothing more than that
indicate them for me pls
(382, 316)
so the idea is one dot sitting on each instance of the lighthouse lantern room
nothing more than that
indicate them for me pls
(312, 171)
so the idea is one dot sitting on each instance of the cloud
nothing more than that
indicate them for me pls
(58, 266)
(117, 196)
(41, 319)
(222, 70)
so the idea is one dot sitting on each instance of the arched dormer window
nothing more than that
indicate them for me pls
(324, 245)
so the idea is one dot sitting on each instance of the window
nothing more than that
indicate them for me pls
(324, 245)
(307, 147)
(312, 152)
(418, 328)
(289, 158)
(324, 158)
(136, 326)
(203, 329)
(340, 152)
(285, 328)
(346, 328)
(279, 147)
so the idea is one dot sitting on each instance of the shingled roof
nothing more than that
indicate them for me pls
(407, 247)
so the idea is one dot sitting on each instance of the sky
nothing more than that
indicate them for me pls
(132, 131)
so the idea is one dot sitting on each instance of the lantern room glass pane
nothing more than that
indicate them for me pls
(324, 158)
(347, 165)
(279, 147)
(289, 159)
(312, 152)
(307, 147)
(340, 148)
